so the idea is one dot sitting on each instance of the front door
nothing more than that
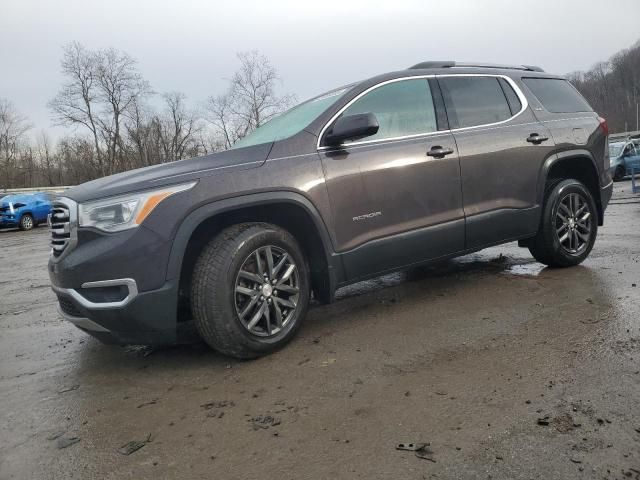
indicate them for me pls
(395, 196)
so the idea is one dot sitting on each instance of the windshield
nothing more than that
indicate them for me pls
(292, 121)
(615, 149)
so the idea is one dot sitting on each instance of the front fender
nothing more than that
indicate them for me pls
(204, 212)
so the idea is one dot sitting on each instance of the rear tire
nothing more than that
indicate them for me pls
(243, 305)
(619, 173)
(26, 222)
(568, 226)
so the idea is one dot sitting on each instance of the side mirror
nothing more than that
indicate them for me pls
(352, 127)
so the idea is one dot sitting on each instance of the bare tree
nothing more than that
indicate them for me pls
(176, 126)
(77, 101)
(141, 134)
(120, 87)
(251, 100)
(76, 155)
(221, 116)
(102, 86)
(253, 89)
(13, 128)
(48, 166)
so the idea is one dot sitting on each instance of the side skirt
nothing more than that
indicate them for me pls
(437, 243)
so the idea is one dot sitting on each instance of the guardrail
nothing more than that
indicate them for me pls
(7, 191)
(615, 137)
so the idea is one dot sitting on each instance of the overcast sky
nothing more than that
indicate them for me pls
(190, 45)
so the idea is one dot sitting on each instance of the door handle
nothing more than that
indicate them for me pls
(536, 139)
(438, 152)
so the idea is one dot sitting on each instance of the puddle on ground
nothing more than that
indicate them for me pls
(532, 269)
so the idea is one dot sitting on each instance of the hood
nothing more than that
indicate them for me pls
(171, 173)
(16, 202)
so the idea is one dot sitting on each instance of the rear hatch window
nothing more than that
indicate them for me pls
(557, 95)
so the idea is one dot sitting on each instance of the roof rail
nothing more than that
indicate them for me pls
(451, 64)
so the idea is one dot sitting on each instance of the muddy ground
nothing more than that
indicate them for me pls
(508, 369)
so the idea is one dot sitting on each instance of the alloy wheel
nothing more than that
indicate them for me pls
(27, 222)
(267, 290)
(573, 223)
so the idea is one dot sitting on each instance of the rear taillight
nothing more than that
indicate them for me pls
(603, 125)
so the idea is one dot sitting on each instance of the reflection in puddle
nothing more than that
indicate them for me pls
(375, 284)
(528, 269)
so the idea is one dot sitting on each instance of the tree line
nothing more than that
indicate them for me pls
(117, 122)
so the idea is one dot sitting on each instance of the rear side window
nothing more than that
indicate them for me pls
(401, 108)
(557, 95)
(473, 101)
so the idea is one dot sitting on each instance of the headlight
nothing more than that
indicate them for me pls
(127, 211)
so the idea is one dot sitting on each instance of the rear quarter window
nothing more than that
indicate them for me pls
(557, 95)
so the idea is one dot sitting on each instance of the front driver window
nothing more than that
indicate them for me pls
(402, 108)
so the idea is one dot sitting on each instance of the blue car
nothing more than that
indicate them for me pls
(24, 211)
(624, 156)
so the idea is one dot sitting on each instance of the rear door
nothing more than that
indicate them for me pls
(40, 209)
(396, 201)
(502, 148)
(632, 159)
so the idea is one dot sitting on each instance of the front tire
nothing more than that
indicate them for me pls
(26, 222)
(250, 290)
(568, 226)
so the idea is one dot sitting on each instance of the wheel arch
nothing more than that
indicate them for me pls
(23, 214)
(289, 210)
(579, 164)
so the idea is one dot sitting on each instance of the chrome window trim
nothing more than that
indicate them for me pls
(356, 98)
(542, 107)
(130, 283)
(384, 141)
(523, 101)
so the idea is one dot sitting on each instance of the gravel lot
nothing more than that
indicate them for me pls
(509, 370)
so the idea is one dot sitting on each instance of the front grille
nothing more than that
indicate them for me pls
(60, 228)
(68, 307)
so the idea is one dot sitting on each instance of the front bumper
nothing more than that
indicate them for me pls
(147, 318)
(114, 286)
(6, 223)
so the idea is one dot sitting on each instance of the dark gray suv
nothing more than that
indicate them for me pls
(405, 168)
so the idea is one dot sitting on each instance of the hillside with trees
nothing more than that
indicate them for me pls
(613, 88)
